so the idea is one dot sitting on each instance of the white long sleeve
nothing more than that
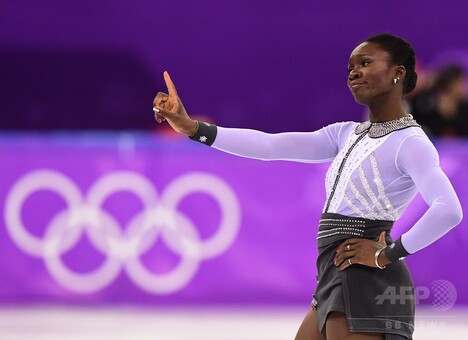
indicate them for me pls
(419, 159)
(309, 147)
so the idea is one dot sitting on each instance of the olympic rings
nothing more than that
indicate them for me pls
(123, 246)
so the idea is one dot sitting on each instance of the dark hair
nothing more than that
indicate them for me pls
(401, 53)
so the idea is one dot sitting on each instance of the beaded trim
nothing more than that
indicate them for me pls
(333, 221)
(377, 130)
(380, 187)
(385, 215)
(340, 226)
(341, 232)
(370, 212)
(340, 169)
(347, 229)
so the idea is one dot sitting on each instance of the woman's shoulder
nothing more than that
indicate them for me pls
(345, 124)
(414, 143)
(342, 127)
(411, 133)
(339, 132)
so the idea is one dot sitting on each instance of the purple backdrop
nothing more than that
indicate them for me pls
(68, 234)
(268, 65)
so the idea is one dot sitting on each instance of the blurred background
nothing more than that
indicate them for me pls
(230, 250)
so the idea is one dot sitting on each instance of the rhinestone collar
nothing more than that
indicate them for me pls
(377, 130)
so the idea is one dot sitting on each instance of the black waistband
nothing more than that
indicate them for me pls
(336, 227)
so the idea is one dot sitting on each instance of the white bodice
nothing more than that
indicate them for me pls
(379, 179)
(370, 184)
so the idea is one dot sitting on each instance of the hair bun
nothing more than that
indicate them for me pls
(410, 82)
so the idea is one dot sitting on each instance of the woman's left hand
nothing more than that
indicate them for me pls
(359, 251)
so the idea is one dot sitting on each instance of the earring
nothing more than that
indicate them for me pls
(395, 80)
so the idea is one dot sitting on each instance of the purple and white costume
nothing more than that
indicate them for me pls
(376, 171)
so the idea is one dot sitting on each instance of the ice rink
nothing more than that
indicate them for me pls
(242, 323)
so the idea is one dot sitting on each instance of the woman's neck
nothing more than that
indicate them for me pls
(384, 112)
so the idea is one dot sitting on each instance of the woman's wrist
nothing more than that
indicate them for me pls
(194, 124)
(205, 133)
(382, 259)
(395, 251)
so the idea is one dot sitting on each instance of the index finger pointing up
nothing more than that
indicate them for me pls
(170, 85)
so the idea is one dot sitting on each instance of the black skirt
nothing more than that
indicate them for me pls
(373, 299)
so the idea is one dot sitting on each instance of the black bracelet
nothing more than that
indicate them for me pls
(206, 133)
(396, 251)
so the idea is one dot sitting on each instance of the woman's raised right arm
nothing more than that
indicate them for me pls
(309, 147)
(319, 146)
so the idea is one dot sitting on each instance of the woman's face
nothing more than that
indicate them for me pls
(370, 74)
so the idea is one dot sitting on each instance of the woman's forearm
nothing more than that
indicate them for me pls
(313, 147)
